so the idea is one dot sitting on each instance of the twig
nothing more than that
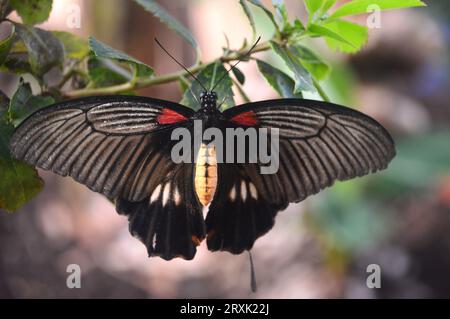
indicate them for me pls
(132, 85)
(320, 90)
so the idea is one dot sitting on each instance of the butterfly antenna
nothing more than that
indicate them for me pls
(253, 285)
(179, 63)
(234, 65)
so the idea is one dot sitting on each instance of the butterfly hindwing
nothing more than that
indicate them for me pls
(238, 214)
(170, 221)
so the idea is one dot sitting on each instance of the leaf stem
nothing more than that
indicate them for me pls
(321, 91)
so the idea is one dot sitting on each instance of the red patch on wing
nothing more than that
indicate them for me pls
(169, 116)
(246, 118)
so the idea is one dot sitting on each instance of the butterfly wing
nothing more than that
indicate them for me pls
(120, 146)
(170, 222)
(238, 213)
(319, 143)
(115, 145)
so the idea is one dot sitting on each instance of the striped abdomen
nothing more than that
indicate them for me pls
(205, 180)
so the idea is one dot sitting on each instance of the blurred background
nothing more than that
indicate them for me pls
(398, 219)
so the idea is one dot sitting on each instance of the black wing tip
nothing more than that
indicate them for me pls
(186, 254)
(390, 146)
(231, 250)
(170, 256)
(215, 243)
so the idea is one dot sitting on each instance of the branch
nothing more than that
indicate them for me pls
(171, 77)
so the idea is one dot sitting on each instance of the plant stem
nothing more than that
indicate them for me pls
(131, 85)
(320, 90)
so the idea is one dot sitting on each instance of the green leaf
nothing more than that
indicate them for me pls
(259, 4)
(294, 32)
(311, 61)
(355, 36)
(32, 11)
(303, 80)
(183, 84)
(143, 71)
(327, 4)
(361, 6)
(239, 75)
(325, 31)
(19, 182)
(153, 7)
(280, 81)
(75, 46)
(103, 72)
(209, 77)
(102, 50)
(5, 46)
(44, 49)
(281, 15)
(24, 103)
(249, 14)
(318, 8)
(4, 105)
(16, 64)
(18, 47)
(313, 6)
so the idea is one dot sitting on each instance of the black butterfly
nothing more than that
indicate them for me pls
(120, 146)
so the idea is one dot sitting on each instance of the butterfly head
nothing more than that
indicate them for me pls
(208, 100)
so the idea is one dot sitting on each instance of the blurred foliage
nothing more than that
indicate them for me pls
(24, 103)
(154, 8)
(421, 161)
(32, 11)
(356, 214)
(19, 181)
(93, 67)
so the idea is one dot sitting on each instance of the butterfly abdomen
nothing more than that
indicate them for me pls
(205, 180)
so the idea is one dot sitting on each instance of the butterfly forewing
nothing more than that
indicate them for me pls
(114, 145)
(319, 143)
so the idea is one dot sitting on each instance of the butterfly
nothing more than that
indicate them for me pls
(120, 146)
